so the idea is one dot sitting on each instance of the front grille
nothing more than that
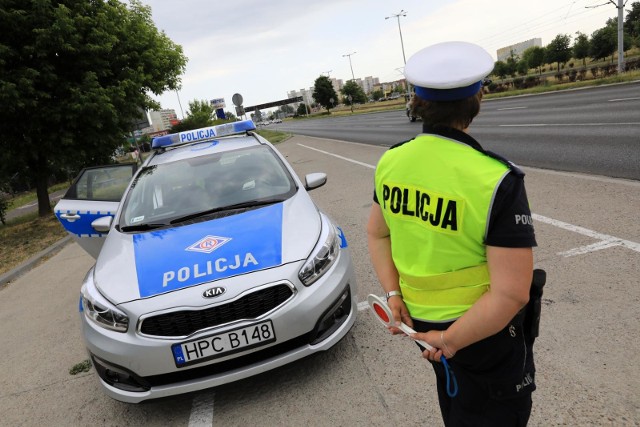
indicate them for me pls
(186, 322)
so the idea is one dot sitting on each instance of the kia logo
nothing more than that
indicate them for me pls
(214, 292)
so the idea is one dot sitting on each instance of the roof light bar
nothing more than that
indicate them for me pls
(203, 134)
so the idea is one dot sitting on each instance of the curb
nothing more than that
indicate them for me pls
(31, 262)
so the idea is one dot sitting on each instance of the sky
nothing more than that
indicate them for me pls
(265, 49)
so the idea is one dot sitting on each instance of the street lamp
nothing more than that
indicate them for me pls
(397, 16)
(349, 55)
(180, 104)
(404, 58)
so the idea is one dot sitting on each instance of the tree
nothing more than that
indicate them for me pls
(534, 56)
(287, 110)
(357, 94)
(500, 69)
(558, 50)
(302, 110)
(581, 47)
(377, 94)
(74, 76)
(604, 42)
(324, 93)
(522, 67)
(199, 115)
(512, 65)
(632, 23)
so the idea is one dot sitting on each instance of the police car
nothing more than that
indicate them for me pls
(213, 264)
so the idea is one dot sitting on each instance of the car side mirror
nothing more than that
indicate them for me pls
(102, 224)
(315, 180)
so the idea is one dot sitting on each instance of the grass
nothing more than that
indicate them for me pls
(30, 196)
(83, 366)
(25, 236)
(273, 136)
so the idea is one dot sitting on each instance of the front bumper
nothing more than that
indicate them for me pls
(133, 368)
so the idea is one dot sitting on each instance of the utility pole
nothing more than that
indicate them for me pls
(620, 6)
(349, 55)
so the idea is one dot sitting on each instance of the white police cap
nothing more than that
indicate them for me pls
(448, 71)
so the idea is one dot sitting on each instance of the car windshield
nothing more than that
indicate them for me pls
(170, 192)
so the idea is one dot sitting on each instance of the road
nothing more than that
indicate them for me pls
(593, 130)
(588, 354)
(33, 206)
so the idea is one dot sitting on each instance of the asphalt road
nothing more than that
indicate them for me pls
(587, 356)
(33, 206)
(592, 130)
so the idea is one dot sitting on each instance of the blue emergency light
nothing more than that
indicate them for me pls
(203, 134)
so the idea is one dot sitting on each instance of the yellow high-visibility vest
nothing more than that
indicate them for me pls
(436, 196)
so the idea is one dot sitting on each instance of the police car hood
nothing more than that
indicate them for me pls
(143, 265)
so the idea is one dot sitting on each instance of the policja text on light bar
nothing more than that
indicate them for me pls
(203, 134)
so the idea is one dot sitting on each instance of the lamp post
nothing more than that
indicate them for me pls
(180, 104)
(349, 55)
(397, 16)
(404, 58)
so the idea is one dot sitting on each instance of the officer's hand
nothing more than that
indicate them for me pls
(433, 339)
(400, 314)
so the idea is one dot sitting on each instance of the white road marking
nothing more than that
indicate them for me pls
(511, 108)
(623, 99)
(605, 241)
(617, 181)
(363, 305)
(366, 165)
(202, 410)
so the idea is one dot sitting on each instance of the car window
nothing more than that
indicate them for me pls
(171, 190)
(106, 183)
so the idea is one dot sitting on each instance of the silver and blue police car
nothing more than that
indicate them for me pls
(213, 264)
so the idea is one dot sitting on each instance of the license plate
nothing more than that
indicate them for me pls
(214, 346)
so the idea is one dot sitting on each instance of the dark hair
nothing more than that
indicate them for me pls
(455, 114)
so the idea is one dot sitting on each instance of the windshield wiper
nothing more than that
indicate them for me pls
(249, 204)
(143, 227)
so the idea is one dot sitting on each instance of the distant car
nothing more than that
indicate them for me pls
(213, 264)
(410, 115)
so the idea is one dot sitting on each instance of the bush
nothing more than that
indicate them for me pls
(594, 71)
(532, 81)
(583, 74)
(4, 204)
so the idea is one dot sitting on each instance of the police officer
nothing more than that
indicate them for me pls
(450, 238)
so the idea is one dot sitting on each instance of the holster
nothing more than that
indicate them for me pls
(533, 309)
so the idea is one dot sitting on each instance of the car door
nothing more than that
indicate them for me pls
(88, 207)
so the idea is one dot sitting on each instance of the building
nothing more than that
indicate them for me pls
(517, 49)
(369, 83)
(306, 94)
(163, 119)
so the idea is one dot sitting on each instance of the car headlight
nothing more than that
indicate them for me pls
(100, 311)
(322, 256)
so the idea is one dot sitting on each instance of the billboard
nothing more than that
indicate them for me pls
(217, 103)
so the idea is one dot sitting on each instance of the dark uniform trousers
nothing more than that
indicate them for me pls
(495, 379)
